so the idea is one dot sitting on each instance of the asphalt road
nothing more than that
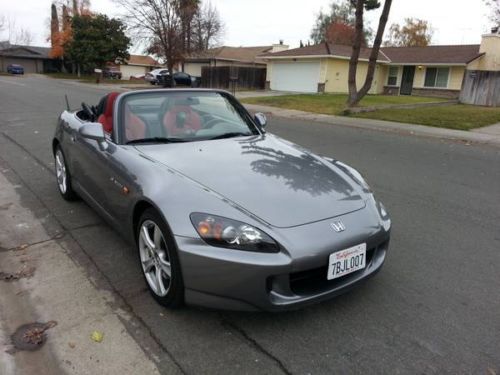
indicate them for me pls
(434, 307)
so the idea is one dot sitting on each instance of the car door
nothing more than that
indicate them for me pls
(116, 181)
(89, 161)
(107, 181)
(182, 79)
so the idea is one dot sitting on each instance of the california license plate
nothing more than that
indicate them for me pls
(347, 261)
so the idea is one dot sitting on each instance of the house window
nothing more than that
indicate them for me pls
(393, 76)
(436, 77)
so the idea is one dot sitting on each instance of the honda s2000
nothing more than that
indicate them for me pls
(222, 214)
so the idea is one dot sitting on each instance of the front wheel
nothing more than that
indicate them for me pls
(159, 260)
(63, 176)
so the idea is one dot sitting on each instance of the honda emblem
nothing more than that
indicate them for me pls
(338, 226)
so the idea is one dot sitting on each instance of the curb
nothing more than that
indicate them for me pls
(379, 125)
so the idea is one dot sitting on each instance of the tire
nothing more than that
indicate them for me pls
(157, 257)
(63, 176)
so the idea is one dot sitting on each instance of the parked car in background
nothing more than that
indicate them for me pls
(179, 79)
(153, 76)
(15, 69)
(112, 73)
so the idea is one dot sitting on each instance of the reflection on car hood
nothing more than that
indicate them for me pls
(277, 181)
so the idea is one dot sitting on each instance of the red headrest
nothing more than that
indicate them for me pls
(106, 119)
(192, 121)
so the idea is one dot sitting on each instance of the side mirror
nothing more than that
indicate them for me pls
(261, 119)
(94, 131)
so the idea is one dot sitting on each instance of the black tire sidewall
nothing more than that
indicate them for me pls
(175, 295)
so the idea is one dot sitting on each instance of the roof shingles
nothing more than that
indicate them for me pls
(459, 54)
(142, 60)
(240, 54)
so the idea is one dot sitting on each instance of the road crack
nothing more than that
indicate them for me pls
(255, 344)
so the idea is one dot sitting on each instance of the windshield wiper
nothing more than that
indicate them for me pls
(157, 140)
(230, 135)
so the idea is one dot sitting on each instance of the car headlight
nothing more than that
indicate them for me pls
(232, 234)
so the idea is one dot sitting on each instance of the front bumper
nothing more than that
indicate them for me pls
(294, 278)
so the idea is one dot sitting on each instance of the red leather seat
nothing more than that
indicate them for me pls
(135, 128)
(106, 118)
(181, 119)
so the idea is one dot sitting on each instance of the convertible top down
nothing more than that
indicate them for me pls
(222, 213)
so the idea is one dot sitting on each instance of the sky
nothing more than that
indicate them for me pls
(265, 22)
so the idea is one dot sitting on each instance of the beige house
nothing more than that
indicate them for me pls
(137, 66)
(229, 56)
(430, 71)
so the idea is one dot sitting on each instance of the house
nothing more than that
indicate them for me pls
(430, 71)
(137, 66)
(229, 56)
(33, 59)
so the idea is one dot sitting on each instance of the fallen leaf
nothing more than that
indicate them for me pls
(97, 336)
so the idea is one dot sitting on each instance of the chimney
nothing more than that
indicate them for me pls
(279, 47)
(490, 46)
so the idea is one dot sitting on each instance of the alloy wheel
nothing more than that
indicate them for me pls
(61, 172)
(155, 258)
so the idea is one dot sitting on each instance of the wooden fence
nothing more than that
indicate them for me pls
(481, 88)
(231, 77)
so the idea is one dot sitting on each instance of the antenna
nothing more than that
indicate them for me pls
(67, 102)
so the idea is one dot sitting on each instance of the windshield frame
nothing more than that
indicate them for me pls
(119, 113)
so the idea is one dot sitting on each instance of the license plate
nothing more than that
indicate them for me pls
(347, 261)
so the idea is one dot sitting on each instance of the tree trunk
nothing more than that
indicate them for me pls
(356, 50)
(354, 95)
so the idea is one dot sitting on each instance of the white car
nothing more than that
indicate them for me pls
(152, 76)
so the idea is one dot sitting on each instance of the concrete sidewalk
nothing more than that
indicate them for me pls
(487, 135)
(40, 282)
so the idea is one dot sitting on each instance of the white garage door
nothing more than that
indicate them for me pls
(296, 76)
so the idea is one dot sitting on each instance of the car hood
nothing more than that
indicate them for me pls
(279, 182)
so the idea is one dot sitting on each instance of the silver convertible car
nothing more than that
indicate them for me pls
(222, 214)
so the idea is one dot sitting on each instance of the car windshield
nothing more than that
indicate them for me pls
(182, 116)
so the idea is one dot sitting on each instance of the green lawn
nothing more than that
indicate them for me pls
(453, 116)
(458, 116)
(332, 104)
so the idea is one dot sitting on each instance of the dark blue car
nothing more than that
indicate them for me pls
(15, 69)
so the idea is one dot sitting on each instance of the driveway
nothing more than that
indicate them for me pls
(432, 309)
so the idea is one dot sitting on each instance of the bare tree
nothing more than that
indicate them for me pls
(495, 11)
(25, 37)
(355, 96)
(2, 23)
(157, 25)
(188, 10)
(208, 28)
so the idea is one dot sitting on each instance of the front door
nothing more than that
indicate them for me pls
(407, 80)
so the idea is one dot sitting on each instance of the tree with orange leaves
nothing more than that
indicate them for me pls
(60, 36)
(339, 32)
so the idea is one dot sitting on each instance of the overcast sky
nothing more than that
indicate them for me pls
(264, 22)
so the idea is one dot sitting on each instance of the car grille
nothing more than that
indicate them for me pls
(314, 281)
